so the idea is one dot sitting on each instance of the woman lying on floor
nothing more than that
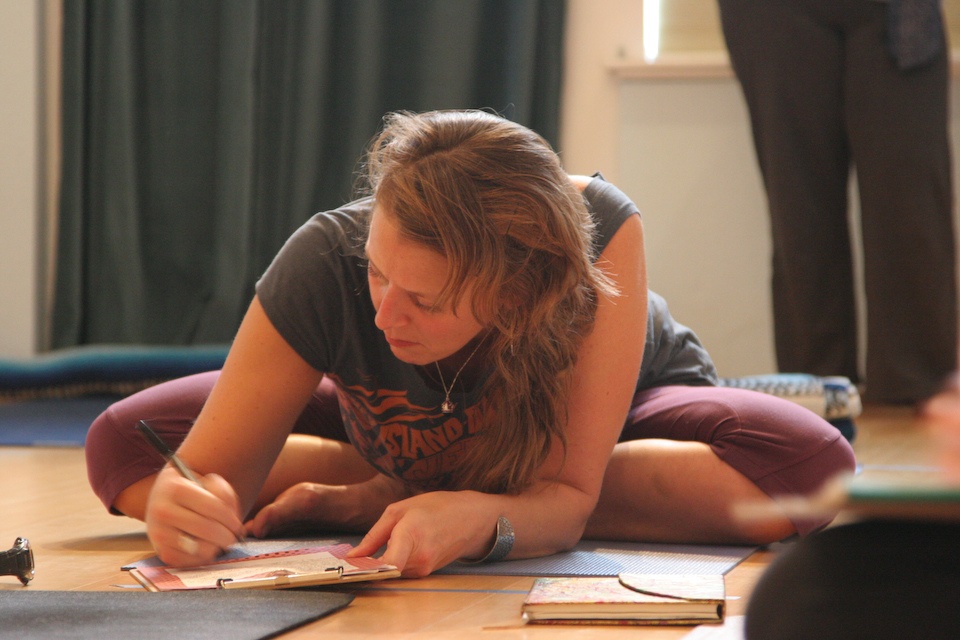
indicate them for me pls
(459, 353)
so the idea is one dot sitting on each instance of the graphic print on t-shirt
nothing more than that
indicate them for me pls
(420, 445)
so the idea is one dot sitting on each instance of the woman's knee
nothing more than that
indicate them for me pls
(116, 454)
(778, 445)
(782, 446)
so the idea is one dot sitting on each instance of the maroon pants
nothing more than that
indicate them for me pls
(780, 446)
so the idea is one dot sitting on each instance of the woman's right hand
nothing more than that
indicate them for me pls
(190, 524)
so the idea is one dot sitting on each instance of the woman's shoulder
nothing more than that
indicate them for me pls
(605, 197)
(310, 289)
(326, 237)
(344, 225)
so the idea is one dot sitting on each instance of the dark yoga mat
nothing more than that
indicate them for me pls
(186, 615)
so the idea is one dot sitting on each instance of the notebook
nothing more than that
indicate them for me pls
(304, 567)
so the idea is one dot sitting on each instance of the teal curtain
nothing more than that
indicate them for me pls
(198, 134)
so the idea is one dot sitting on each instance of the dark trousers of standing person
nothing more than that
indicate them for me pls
(877, 580)
(825, 94)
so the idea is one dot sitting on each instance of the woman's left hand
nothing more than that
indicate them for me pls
(431, 530)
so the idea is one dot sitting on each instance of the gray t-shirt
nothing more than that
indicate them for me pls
(315, 293)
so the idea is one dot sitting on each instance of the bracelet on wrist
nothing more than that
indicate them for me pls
(502, 543)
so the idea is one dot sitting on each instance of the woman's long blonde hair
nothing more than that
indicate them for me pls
(491, 196)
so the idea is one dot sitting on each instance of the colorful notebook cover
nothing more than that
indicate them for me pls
(628, 599)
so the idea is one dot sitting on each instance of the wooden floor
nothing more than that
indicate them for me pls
(77, 546)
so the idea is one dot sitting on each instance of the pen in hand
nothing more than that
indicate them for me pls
(157, 443)
(168, 454)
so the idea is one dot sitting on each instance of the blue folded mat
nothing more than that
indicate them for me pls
(51, 399)
(98, 369)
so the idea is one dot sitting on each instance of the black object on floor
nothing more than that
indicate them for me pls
(185, 615)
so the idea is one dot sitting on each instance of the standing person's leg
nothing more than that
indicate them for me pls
(898, 125)
(688, 454)
(119, 461)
(789, 66)
(878, 580)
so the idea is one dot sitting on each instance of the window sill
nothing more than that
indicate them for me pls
(698, 65)
(675, 65)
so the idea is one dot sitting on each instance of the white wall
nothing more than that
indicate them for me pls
(20, 175)
(686, 159)
(598, 32)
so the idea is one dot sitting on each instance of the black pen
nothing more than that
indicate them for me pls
(164, 450)
(167, 453)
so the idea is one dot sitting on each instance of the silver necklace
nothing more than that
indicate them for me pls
(447, 405)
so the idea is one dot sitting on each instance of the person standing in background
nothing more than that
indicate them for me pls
(835, 84)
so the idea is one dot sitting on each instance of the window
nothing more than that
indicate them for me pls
(681, 25)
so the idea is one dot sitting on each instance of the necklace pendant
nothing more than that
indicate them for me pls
(447, 406)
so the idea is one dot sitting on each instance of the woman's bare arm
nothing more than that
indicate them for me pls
(262, 389)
